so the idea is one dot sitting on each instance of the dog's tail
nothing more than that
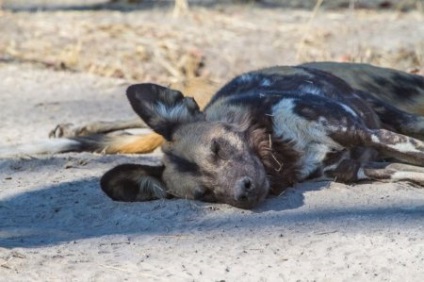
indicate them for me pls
(120, 144)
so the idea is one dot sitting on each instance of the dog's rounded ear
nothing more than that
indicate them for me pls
(162, 108)
(134, 183)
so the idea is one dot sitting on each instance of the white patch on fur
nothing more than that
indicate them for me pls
(245, 77)
(405, 147)
(175, 113)
(348, 109)
(309, 136)
(361, 174)
(50, 146)
(408, 175)
(150, 186)
(374, 138)
(266, 82)
(310, 89)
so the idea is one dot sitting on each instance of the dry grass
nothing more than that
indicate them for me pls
(209, 42)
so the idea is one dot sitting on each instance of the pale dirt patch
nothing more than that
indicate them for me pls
(55, 223)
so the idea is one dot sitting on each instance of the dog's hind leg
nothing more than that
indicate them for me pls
(351, 134)
(350, 171)
(392, 172)
(69, 130)
(389, 144)
(100, 143)
(400, 147)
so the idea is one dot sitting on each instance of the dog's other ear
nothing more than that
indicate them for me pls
(134, 183)
(161, 108)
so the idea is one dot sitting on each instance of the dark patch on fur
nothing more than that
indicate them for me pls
(121, 183)
(333, 157)
(183, 165)
(317, 173)
(333, 86)
(278, 157)
(221, 148)
(203, 194)
(400, 86)
(314, 107)
(346, 171)
(407, 85)
(391, 117)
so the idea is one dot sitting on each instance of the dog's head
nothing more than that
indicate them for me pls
(211, 161)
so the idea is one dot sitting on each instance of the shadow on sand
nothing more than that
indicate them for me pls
(78, 210)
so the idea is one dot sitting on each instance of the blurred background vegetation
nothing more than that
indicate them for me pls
(165, 41)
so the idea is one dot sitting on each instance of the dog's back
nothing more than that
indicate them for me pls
(400, 89)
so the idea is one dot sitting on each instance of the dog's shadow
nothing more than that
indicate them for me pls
(75, 210)
(291, 198)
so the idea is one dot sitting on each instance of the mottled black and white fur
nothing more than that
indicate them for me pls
(265, 131)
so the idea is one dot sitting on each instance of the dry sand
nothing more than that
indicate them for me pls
(57, 225)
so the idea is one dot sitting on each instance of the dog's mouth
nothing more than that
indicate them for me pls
(250, 198)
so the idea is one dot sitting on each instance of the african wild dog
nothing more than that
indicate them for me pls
(265, 131)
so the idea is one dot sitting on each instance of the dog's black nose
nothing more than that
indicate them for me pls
(247, 183)
(243, 187)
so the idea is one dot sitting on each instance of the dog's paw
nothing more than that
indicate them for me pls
(65, 130)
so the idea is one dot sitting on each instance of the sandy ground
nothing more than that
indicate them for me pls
(55, 223)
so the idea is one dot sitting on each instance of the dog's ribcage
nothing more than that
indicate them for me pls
(302, 105)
